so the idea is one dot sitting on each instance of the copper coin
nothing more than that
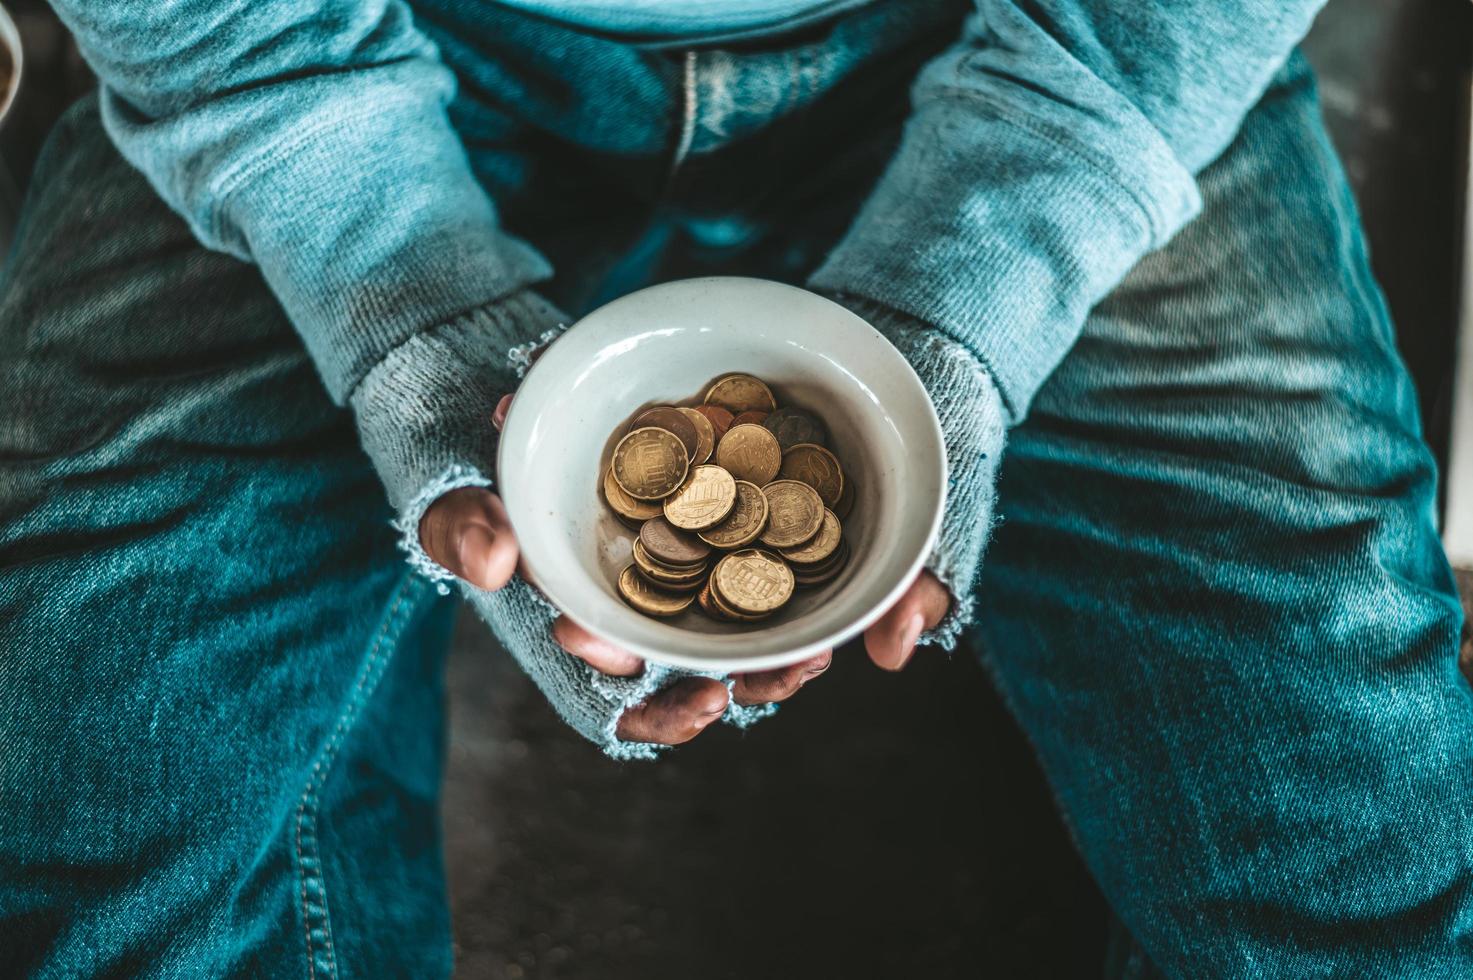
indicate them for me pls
(671, 545)
(664, 574)
(751, 453)
(817, 467)
(823, 545)
(705, 435)
(741, 393)
(708, 606)
(794, 513)
(793, 427)
(650, 463)
(750, 418)
(704, 501)
(747, 519)
(671, 420)
(719, 418)
(626, 506)
(643, 596)
(752, 582)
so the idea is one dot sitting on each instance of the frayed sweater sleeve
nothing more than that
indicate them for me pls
(309, 137)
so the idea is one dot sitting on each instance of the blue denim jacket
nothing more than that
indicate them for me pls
(1047, 150)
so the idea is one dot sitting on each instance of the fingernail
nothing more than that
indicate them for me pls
(813, 672)
(475, 545)
(498, 417)
(908, 639)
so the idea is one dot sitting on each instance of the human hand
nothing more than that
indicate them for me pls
(891, 640)
(467, 532)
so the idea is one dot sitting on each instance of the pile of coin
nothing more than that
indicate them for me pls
(737, 504)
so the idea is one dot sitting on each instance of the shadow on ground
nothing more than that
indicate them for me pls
(878, 826)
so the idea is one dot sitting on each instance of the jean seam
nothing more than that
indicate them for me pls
(688, 111)
(309, 858)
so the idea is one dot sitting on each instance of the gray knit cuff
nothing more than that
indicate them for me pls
(424, 411)
(974, 424)
(589, 701)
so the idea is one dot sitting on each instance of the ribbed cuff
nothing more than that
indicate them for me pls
(974, 425)
(424, 412)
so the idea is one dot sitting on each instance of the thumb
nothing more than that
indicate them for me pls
(467, 533)
(892, 639)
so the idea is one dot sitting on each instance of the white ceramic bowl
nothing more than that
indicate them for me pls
(666, 344)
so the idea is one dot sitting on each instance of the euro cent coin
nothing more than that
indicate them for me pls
(704, 501)
(793, 427)
(794, 514)
(670, 419)
(747, 519)
(649, 600)
(816, 466)
(753, 581)
(738, 393)
(650, 463)
(751, 453)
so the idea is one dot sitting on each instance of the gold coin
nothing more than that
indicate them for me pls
(817, 467)
(823, 545)
(625, 505)
(650, 463)
(671, 546)
(751, 453)
(846, 501)
(751, 418)
(739, 393)
(729, 612)
(724, 607)
(752, 581)
(704, 501)
(705, 435)
(794, 513)
(719, 418)
(648, 599)
(747, 519)
(671, 419)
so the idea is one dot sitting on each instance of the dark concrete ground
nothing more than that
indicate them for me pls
(886, 826)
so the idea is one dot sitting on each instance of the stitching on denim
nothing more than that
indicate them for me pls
(688, 114)
(366, 682)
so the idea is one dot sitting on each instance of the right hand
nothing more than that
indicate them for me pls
(467, 532)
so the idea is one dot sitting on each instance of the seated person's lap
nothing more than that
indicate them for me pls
(1217, 600)
(199, 596)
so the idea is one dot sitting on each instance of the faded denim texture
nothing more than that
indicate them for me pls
(1047, 148)
(1216, 601)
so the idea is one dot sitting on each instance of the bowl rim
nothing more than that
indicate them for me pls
(557, 594)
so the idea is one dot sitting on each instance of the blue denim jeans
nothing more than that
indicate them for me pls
(1217, 603)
